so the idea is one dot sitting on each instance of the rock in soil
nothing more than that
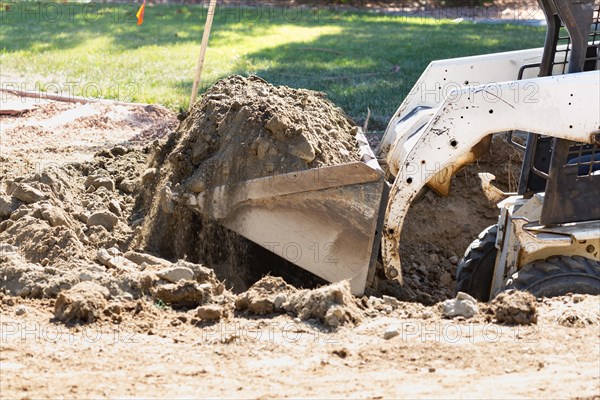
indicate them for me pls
(8, 204)
(184, 294)
(515, 308)
(390, 332)
(210, 312)
(140, 258)
(462, 306)
(21, 310)
(106, 219)
(84, 302)
(26, 193)
(176, 274)
(98, 181)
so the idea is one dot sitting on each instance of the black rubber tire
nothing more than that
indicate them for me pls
(476, 269)
(557, 276)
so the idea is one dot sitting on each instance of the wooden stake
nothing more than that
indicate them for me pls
(366, 124)
(203, 46)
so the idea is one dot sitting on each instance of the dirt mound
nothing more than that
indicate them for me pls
(66, 232)
(515, 307)
(243, 128)
(71, 224)
(58, 213)
(53, 226)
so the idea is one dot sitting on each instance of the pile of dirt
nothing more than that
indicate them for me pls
(515, 308)
(63, 214)
(64, 229)
(67, 230)
(242, 128)
(245, 128)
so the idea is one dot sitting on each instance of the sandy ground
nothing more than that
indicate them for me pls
(280, 357)
(142, 348)
(48, 132)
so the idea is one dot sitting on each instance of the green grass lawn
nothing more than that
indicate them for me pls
(359, 59)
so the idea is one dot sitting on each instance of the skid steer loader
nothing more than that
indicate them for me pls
(338, 222)
(547, 240)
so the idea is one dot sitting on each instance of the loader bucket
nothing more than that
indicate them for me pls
(325, 220)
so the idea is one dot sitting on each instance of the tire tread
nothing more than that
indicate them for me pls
(556, 269)
(474, 255)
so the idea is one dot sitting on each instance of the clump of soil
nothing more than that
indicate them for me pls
(577, 319)
(266, 296)
(515, 308)
(333, 305)
(243, 128)
(84, 302)
(184, 294)
(199, 287)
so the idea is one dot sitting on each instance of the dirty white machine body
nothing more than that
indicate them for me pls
(338, 222)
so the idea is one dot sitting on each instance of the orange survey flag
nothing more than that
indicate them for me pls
(140, 13)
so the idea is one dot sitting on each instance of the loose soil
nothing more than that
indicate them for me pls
(158, 352)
